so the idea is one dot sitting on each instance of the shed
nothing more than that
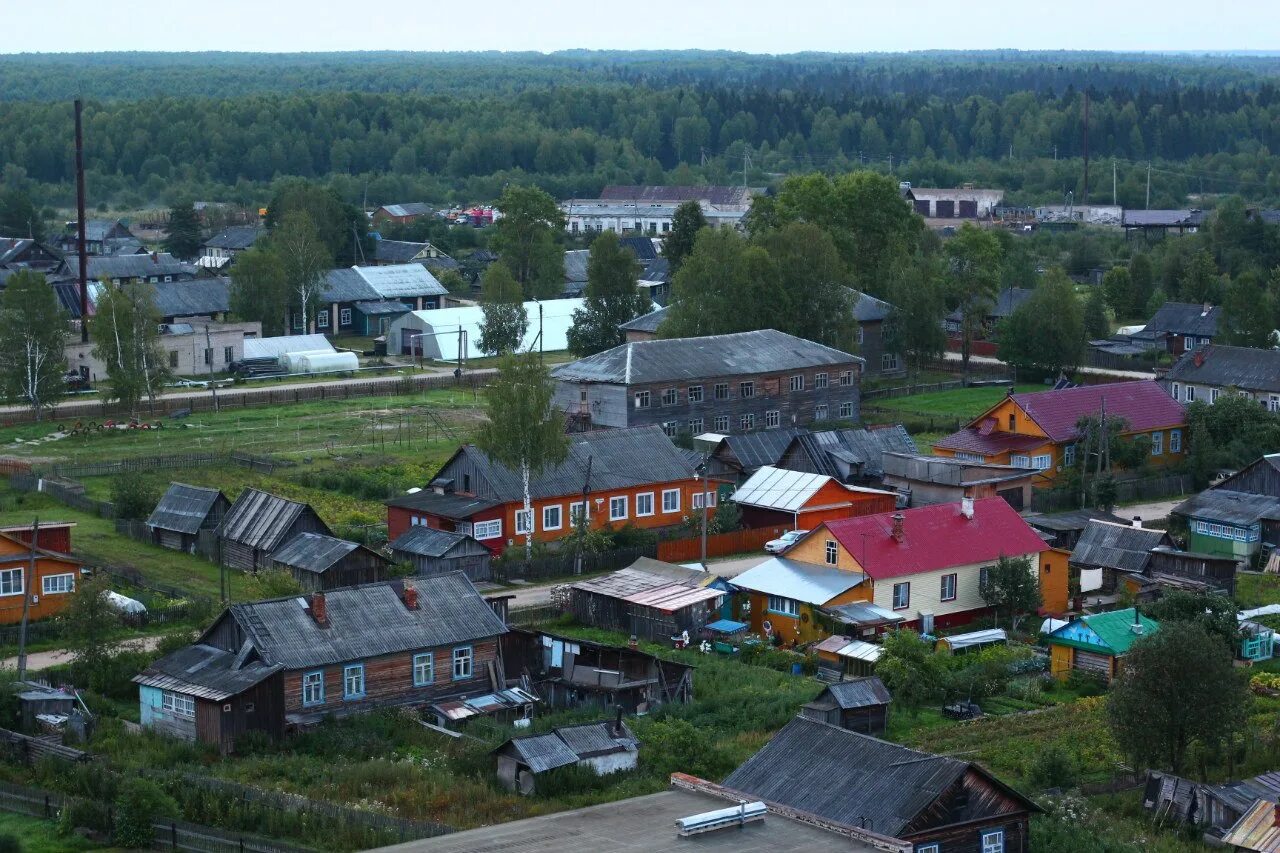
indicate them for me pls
(973, 641)
(184, 511)
(646, 605)
(320, 562)
(38, 701)
(860, 705)
(775, 496)
(433, 552)
(605, 747)
(1105, 551)
(258, 523)
(841, 657)
(1096, 642)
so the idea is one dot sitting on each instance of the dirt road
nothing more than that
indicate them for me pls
(44, 660)
(988, 360)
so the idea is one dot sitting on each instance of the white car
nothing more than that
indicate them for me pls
(785, 541)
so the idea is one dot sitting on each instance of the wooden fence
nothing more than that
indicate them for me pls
(28, 749)
(169, 462)
(718, 545)
(913, 422)
(932, 387)
(1127, 491)
(564, 564)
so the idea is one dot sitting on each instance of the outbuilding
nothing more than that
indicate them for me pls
(775, 496)
(860, 705)
(1096, 642)
(320, 562)
(183, 512)
(258, 523)
(432, 552)
(605, 747)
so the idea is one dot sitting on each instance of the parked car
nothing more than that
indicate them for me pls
(785, 541)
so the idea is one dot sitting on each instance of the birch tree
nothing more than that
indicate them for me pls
(306, 259)
(126, 338)
(523, 431)
(33, 334)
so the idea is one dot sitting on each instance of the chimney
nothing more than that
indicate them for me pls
(318, 611)
(1137, 521)
(966, 506)
(1206, 309)
(410, 597)
(898, 533)
(1198, 357)
(1136, 627)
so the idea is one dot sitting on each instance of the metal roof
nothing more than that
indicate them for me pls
(1185, 318)
(1006, 302)
(648, 590)
(314, 552)
(381, 307)
(235, 237)
(426, 541)
(184, 508)
(260, 519)
(345, 284)
(976, 638)
(205, 672)
(575, 264)
(278, 346)
(646, 322)
(194, 297)
(779, 489)
(410, 208)
(1256, 830)
(719, 195)
(374, 284)
(754, 449)
(1161, 218)
(368, 621)
(1229, 507)
(400, 251)
(864, 613)
(1228, 367)
(1124, 547)
(591, 739)
(1114, 628)
(806, 582)
(858, 693)
(542, 752)
(1143, 404)
(448, 505)
(130, 266)
(672, 359)
(444, 323)
(868, 309)
(861, 447)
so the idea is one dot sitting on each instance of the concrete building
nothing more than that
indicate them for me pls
(188, 352)
(650, 209)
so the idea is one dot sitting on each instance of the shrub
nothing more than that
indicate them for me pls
(1086, 683)
(675, 745)
(1053, 767)
(10, 843)
(133, 497)
(139, 804)
(84, 814)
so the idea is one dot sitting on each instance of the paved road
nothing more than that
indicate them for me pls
(44, 660)
(995, 362)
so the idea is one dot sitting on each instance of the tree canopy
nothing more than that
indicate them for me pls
(505, 320)
(527, 240)
(33, 336)
(612, 297)
(1047, 331)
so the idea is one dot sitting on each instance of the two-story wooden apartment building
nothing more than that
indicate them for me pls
(276, 664)
(635, 476)
(1039, 430)
(733, 383)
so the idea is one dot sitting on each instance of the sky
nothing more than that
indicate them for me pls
(753, 26)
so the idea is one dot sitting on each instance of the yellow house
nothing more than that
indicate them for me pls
(1039, 430)
(784, 596)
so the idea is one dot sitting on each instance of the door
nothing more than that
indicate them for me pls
(945, 209)
(968, 210)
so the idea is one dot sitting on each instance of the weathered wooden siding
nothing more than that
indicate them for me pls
(260, 708)
(360, 566)
(156, 718)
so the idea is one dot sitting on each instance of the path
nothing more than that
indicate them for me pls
(1152, 511)
(54, 657)
(1099, 371)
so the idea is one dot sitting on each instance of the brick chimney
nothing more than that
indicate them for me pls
(410, 597)
(319, 612)
(1137, 521)
(898, 533)
(966, 506)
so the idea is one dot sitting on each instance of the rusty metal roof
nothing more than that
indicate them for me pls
(1256, 830)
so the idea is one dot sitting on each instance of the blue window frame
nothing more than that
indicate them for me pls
(313, 688)
(462, 662)
(424, 669)
(353, 681)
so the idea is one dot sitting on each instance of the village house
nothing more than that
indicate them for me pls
(186, 347)
(852, 456)
(1064, 529)
(286, 662)
(1180, 327)
(19, 253)
(193, 300)
(925, 480)
(1106, 552)
(1039, 430)
(735, 457)
(44, 590)
(401, 214)
(797, 500)
(650, 210)
(319, 562)
(1158, 224)
(101, 237)
(222, 248)
(644, 327)
(605, 747)
(431, 551)
(183, 512)
(367, 300)
(121, 269)
(1239, 516)
(963, 203)
(258, 523)
(1215, 369)
(391, 252)
(723, 383)
(924, 565)
(859, 705)
(618, 477)
(1006, 302)
(871, 314)
(934, 802)
(650, 600)
(1096, 643)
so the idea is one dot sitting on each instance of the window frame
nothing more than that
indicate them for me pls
(772, 419)
(721, 419)
(906, 602)
(696, 426)
(993, 841)
(1157, 443)
(747, 422)
(6, 576)
(179, 704)
(671, 396)
(613, 502)
(846, 378)
(846, 410)
(783, 606)
(642, 399)
(348, 671)
(70, 578)
(419, 659)
(746, 390)
(820, 381)
(720, 391)
(671, 429)
(797, 382)
(344, 316)
(322, 319)
(1175, 441)
(315, 686)
(173, 359)
(496, 534)
(639, 501)
(524, 522)
(1042, 461)
(832, 554)
(694, 394)
(463, 655)
(942, 586)
(888, 361)
(665, 494)
(559, 513)
(822, 412)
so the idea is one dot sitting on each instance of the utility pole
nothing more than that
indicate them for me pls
(1148, 186)
(1055, 153)
(81, 250)
(213, 386)
(1113, 182)
(26, 601)
(584, 520)
(1085, 194)
(704, 466)
(890, 164)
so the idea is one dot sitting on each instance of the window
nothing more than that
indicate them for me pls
(746, 389)
(1157, 443)
(1042, 461)
(424, 669)
(846, 378)
(313, 688)
(1069, 455)
(785, 606)
(1213, 395)
(576, 515)
(671, 428)
(820, 380)
(178, 703)
(695, 393)
(1013, 422)
(797, 382)
(353, 681)
(173, 359)
(861, 336)
(462, 662)
(1020, 460)
(901, 595)
(524, 522)
(821, 413)
(488, 529)
(1188, 342)
(695, 426)
(889, 361)
(970, 457)
(322, 320)
(551, 517)
(1175, 441)
(228, 355)
(55, 584)
(747, 423)
(701, 499)
(618, 508)
(642, 399)
(11, 582)
(993, 842)
(772, 420)
(208, 355)
(846, 411)
(344, 317)
(670, 397)
(948, 590)
(670, 500)
(722, 390)
(722, 423)
(644, 503)
(1189, 394)
(1176, 390)
(833, 552)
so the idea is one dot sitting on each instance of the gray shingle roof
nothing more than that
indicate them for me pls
(543, 752)
(1116, 546)
(575, 265)
(1006, 303)
(11, 247)
(204, 672)
(398, 251)
(345, 284)
(130, 266)
(192, 298)
(260, 519)
(756, 449)
(411, 208)
(1161, 218)
(868, 309)
(1229, 507)
(448, 505)
(313, 552)
(1185, 318)
(183, 508)
(762, 351)
(235, 237)
(646, 322)
(854, 446)
(569, 744)
(1224, 366)
(368, 621)
(859, 693)
(426, 541)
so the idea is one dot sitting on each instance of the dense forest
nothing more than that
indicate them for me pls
(445, 127)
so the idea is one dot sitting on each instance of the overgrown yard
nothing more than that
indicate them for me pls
(962, 403)
(42, 836)
(1256, 590)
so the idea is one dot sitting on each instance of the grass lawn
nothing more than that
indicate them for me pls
(1255, 590)
(962, 403)
(41, 836)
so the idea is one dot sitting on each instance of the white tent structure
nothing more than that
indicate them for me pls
(435, 333)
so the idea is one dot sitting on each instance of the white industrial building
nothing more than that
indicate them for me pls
(650, 209)
(440, 333)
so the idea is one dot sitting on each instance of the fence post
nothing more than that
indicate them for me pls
(173, 835)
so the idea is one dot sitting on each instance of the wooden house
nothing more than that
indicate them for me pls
(433, 552)
(366, 300)
(860, 705)
(320, 562)
(605, 747)
(1107, 552)
(1181, 327)
(183, 512)
(797, 500)
(567, 672)
(258, 524)
(50, 535)
(647, 605)
(1097, 642)
(46, 589)
(924, 480)
(933, 802)
(853, 456)
(1039, 430)
(285, 662)
(401, 214)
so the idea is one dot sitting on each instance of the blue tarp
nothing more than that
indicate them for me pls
(726, 626)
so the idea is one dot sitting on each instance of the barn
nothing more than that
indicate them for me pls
(258, 523)
(183, 512)
(434, 552)
(320, 562)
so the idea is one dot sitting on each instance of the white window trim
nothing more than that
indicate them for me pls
(322, 320)
(993, 841)
(315, 679)
(648, 495)
(666, 492)
(1175, 441)
(559, 511)
(524, 522)
(782, 606)
(942, 587)
(463, 654)
(344, 316)
(21, 584)
(178, 703)
(348, 671)
(1157, 443)
(1042, 461)
(491, 529)
(68, 577)
(831, 553)
(613, 502)
(906, 604)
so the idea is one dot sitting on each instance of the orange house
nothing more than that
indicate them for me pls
(1039, 430)
(635, 477)
(48, 589)
(775, 496)
(1055, 588)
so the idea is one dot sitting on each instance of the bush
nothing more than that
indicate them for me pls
(139, 804)
(10, 843)
(84, 814)
(1053, 767)
(133, 497)
(675, 745)
(1086, 683)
